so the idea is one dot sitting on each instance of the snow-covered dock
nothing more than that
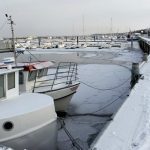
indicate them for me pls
(129, 129)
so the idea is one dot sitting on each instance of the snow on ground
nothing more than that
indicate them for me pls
(146, 145)
(142, 136)
(130, 127)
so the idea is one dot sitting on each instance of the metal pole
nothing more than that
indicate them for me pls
(131, 42)
(13, 40)
(11, 22)
(77, 40)
(39, 41)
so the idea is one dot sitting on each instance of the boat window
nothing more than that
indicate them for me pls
(40, 72)
(21, 77)
(32, 75)
(8, 126)
(45, 71)
(11, 80)
(2, 91)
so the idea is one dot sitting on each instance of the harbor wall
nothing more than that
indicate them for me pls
(144, 44)
(125, 129)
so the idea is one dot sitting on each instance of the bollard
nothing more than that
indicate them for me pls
(131, 42)
(148, 33)
(77, 40)
(135, 74)
(39, 41)
(66, 38)
(145, 57)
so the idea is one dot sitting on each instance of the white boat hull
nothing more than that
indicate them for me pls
(28, 122)
(62, 104)
(41, 139)
(59, 84)
(62, 97)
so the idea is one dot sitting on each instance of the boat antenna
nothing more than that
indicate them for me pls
(83, 28)
(11, 22)
(111, 26)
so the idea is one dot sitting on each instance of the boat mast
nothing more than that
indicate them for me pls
(11, 22)
(83, 28)
(111, 26)
(83, 25)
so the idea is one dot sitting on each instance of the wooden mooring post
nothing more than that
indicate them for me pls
(145, 57)
(77, 40)
(39, 41)
(135, 74)
(131, 42)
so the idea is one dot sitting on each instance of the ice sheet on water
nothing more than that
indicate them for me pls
(102, 77)
(89, 100)
(89, 55)
(131, 56)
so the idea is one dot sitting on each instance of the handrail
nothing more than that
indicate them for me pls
(58, 77)
(67, 76)
(51, 84)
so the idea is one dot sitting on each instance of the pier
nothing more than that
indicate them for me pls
(144, 44)
(127, 126)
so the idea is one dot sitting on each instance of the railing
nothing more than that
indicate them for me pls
(65, 73)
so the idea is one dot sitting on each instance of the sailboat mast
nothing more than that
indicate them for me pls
(11, 22)
(83, 25)
(111, 26)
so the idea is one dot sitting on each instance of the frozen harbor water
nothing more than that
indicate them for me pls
(105, 81)
(101, 85)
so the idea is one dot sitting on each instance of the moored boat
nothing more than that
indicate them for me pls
(60, 83)
(40, 77)
(27, 121)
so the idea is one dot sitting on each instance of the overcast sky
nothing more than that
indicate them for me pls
(66, 17)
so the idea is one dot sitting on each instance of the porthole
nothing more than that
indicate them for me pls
(8, 126)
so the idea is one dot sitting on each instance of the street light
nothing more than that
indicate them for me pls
(11, 22)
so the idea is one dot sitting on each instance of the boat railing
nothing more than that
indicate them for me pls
(65, 73)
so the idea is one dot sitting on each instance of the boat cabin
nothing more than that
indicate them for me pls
(26, 116)
(9, 83)
(31, 73)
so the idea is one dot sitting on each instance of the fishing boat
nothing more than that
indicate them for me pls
(60, 83)
(41, 77)
(28, 120)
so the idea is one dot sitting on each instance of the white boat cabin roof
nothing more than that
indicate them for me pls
(6, 71)
(35, 65)
(25, 102)
(29, 66)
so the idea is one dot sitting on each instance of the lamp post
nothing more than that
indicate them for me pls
(11, 22)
